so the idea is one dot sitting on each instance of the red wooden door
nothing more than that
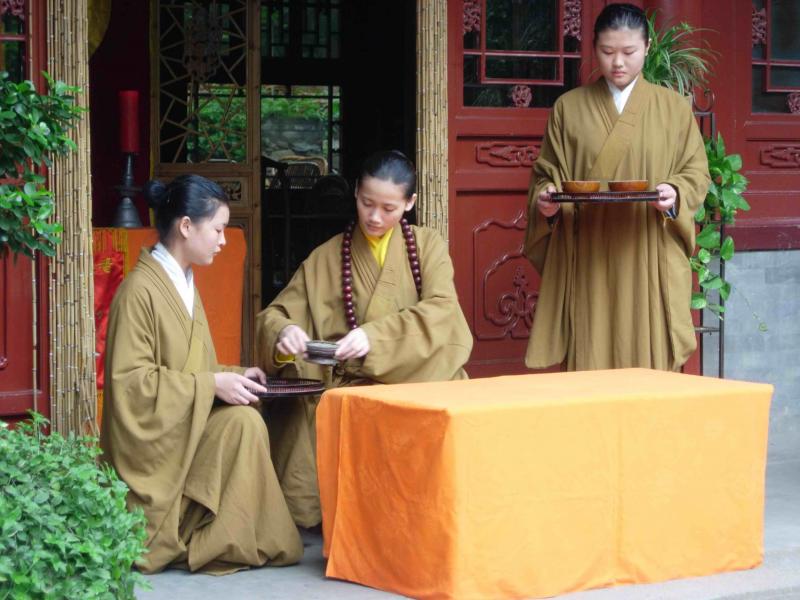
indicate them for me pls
(23, 286)
(757, 91)
(507, 63)
(17, 375)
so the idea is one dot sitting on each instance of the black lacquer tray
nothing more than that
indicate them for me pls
(601, 197)
(287, 388)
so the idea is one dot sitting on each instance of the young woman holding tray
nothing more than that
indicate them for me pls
(616, 283)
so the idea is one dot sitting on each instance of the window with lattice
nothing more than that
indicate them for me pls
(776, 56)
(302, 122)
(202, 92)
(300, 28)
(520, 53)
(12, 38)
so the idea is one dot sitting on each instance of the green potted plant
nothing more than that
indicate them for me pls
(65, 530)
(673, 62)
(33, 128)
(724, 199)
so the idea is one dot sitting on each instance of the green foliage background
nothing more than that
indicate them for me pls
(33, 127)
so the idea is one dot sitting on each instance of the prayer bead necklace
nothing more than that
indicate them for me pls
(347, 269)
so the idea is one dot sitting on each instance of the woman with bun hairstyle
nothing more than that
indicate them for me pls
(200, 469)
(616, 283)
(383, 292)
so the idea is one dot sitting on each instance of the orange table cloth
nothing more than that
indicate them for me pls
(220, 285)
(537, 485)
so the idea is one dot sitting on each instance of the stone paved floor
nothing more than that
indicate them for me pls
(777, 579)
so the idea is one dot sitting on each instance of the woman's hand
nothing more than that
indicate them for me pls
(667, 195)
(236, 389)
(547, 208)
(256, 374)
(354, 345)
(292, 340)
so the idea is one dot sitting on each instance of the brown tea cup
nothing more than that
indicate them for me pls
(579, 187)
(628, 185)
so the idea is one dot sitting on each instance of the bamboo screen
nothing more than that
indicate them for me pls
(72, 344)
(432, 114)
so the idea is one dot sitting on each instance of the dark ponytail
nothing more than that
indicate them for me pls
(391, 165)
(190, 196)
(621, 16)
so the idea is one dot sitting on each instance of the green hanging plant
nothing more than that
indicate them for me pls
(33, 128)
(723, 200)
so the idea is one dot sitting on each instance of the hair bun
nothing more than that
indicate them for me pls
(155, 192)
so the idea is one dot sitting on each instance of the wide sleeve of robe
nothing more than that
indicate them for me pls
(552, 167)
(290, 307)
(430, 340)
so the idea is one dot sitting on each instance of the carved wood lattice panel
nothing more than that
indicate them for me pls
(202, 81)
(504, 297)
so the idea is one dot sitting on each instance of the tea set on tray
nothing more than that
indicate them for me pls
(317, 351)
(630, 190)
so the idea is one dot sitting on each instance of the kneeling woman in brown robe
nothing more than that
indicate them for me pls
(201, 472)
(383, 290)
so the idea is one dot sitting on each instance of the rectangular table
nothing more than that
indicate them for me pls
(537, 485)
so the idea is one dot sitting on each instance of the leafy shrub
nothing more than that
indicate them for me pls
(65, 530)
(33, 128)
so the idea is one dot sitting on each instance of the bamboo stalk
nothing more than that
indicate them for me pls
(432, 146)
(71, 292)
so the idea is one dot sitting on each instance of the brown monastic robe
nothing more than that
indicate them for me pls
(616, 282)
(202, 475)
(411, 338)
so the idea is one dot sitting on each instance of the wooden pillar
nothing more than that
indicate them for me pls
(432, 150)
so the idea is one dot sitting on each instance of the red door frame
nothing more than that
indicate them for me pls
(17, 392)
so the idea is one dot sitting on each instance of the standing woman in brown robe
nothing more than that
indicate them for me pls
(201, 472)
(384, 292)
(616, 282)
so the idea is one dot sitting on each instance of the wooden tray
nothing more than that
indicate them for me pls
(289, 388)
(600, 197)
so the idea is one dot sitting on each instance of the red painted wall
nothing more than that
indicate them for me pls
(121, 62)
